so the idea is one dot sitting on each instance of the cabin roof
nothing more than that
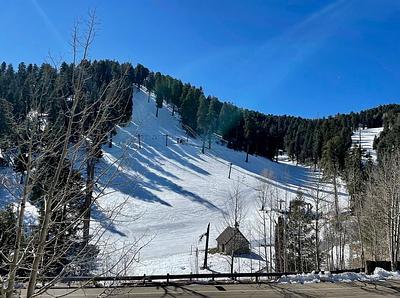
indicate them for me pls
(228, 234)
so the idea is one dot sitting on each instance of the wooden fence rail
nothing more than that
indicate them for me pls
(181, 277)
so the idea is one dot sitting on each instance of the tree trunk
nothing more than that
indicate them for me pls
(110, 140)
(265, 240)
(40, 249)
(90, 170)
(317, 257)
(20, 229)
(38, 255)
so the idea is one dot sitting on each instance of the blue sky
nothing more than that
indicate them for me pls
(309, 58)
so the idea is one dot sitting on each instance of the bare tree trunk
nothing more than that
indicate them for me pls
(48, 210)
(90, 171)
(19, 231)
(43, 232)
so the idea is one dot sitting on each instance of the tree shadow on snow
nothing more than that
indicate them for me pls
(138, 176)
(251, 255)
(105, 221)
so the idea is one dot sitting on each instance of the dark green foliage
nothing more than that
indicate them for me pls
(159, 103)
(356, 172)
(203, 125)
(140, 74)
(6, 122)
(8, 222)
(64, 240)
(34, 96)
(389, 139)
(300, 237)
(190, 106)
(54, 86)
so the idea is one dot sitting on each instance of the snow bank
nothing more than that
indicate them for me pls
(379, 274)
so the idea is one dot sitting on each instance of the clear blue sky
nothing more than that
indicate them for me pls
(309, 58)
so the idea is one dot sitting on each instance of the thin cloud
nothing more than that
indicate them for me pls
(49, 24)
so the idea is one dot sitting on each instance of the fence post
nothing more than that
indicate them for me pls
(139, 140)
(167, 279)
(230, 170)
(166, 140)
(144, 279)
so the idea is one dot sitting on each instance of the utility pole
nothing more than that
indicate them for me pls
(206, 250)
(197, 260)
(230, 170)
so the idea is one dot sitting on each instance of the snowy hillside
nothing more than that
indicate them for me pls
(166, 192)
(174, 191)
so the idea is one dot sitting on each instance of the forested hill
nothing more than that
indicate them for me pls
(322, 142)
(313, 141)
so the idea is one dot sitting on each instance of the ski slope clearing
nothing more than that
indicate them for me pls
(366, 138)
(170, 191)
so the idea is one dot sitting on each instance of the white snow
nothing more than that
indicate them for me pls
(10, 189)
(175, 191)
(378, 275)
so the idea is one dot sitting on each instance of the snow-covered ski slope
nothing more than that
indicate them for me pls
(173, 190)
(170, 193)
(367, 137)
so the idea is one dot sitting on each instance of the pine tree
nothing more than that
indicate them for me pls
(212, 117)
(189, 108)
(300, 236)
(141, 73)
(159, 103)
(6, 123)
(203, 126)
(176, 91)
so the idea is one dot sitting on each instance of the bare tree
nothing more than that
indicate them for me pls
(234, 215)
(266, 201)
(234, 206)
(319, 199)
(68, 149)
(380, 215)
